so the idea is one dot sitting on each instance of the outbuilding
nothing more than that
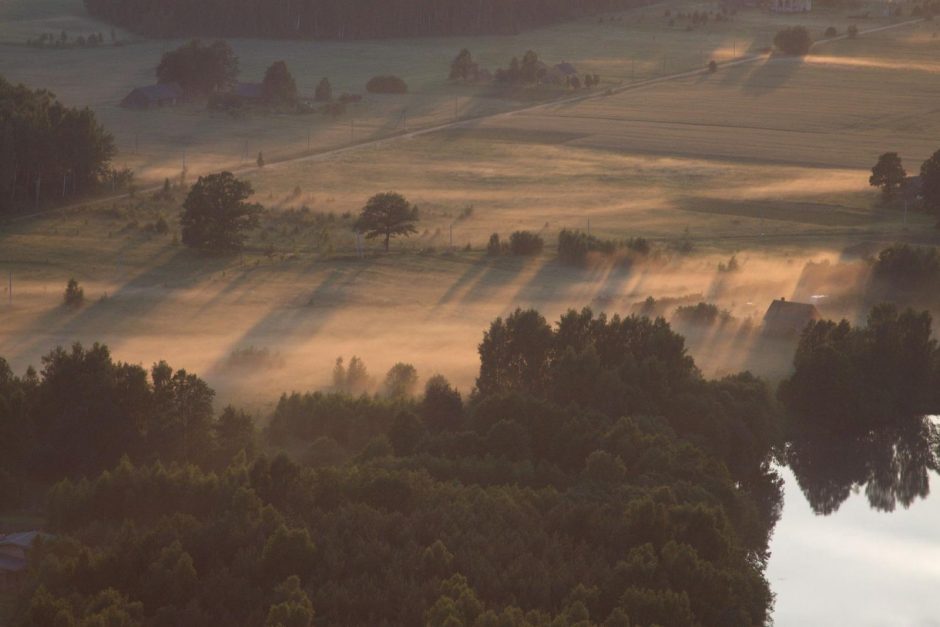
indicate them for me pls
(785, 317)
(153, 96)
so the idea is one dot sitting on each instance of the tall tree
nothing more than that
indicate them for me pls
(387, 215)
(462, 66)
(216, 215)
(200, 69)
(324, 92)
(888, 173)
(930, 177)
(279, 86)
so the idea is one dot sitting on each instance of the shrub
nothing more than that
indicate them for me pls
(712, 67)
(525, 243)
(852, 31)
(495, 247)
(574, 246)
(74, 294)
(702, 314)
(794, 41)
(386, 85)
(905, 266)
(831, 31)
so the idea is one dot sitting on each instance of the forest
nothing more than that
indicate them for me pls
(538, 500)
(341, 19)
(49, 150)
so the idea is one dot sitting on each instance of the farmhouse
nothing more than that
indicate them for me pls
(249, 92)
(789, 318)
(14, 554)
(159, 95)
(791, 6)
(559, 74)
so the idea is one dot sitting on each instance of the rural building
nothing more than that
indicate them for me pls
(789, 318)
(151, 96)
(791, 6)
(560, 73)
(14, 555)
(249, 92)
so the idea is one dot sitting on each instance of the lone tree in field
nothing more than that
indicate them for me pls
(888, 173)
(387, 215)
(279, 86)
(794, 41)
(74, 295)
(324, 92)
(462, 66)
(216, 215)
(930, 177)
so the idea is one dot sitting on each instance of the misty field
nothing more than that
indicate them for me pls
(638, 44)
(767, 161)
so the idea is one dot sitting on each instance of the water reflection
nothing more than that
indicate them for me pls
(892, 462)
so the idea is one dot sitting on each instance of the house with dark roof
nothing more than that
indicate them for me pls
(249, 92)
(14, 556)
(560, 73)
(785, 317)
(152, 96)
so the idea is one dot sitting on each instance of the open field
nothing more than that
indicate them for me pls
(157, 143)
(767, 161)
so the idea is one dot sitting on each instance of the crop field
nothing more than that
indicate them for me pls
(634, 45)
(767, 161)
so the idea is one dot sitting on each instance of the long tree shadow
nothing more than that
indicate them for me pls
(294, 323)
(469, 277)
(771, 75)
(137, 298)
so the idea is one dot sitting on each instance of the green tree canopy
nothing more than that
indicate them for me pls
(462, 66)
(279, 86)
(216, 215)
(200, 69)
(888, 173)
(387, 215)
(930, 176)
(324, 92)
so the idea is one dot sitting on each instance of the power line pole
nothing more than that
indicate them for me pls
(11, 288)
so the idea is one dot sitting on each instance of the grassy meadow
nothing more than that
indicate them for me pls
(767, 161)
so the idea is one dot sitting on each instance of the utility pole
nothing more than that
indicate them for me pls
(632, 70)
(456, 107)
(11, 288)
(352, 131)
(308, 139)
(451, 235)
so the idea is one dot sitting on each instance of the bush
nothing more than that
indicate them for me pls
(74, 294)
(906, 267)
(793, 41)
(712, 67)
(574, 246)
(702, 314)
(495, 247)
(852, 31)
(525, 243)
(831, 31)
(386, 85)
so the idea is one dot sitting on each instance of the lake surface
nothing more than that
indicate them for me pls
(858, 566)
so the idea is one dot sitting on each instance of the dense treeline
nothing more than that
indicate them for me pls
(856, 404)
(48, 150)
(533, 502)
(341, 19)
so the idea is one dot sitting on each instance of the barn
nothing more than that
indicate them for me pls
(785, 317)
(152, 96)
(791, 6)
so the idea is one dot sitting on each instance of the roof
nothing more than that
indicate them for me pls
(11, 564)
(23, 539)
(790, 315)
(160, 91)
(249, 90)
(566, 68)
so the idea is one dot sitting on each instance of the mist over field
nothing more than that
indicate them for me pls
(582, 312)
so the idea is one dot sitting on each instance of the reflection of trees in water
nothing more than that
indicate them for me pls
(892, 461)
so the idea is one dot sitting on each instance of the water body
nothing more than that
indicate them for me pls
(857, 566)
